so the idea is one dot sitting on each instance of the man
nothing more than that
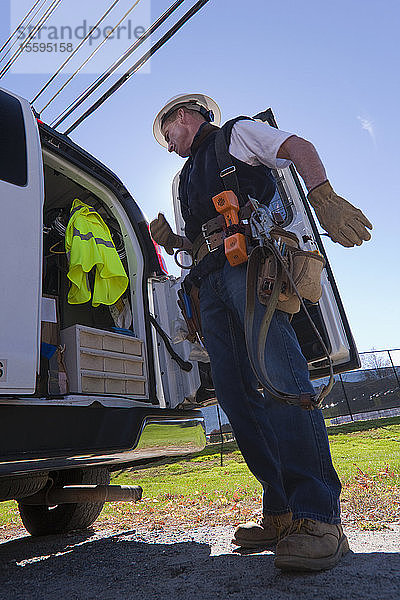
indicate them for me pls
(285, 447)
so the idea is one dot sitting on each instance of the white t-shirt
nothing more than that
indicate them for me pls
(255, 143)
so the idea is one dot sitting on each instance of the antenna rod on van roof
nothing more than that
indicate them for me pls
(106, 74)
(192, 11)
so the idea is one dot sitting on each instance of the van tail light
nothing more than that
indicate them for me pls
(160, 257)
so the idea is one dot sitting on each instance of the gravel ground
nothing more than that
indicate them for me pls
(187, 564)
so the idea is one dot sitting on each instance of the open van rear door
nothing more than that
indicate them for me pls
(328, 314)
(21, 193)
(290, 208)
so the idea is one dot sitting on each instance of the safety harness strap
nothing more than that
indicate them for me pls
(224, 159)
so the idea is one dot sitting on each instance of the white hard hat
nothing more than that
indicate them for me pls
(205, 105)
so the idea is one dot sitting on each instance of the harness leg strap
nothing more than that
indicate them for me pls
(257, 356)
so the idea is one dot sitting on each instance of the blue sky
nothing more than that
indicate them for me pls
(330, 73)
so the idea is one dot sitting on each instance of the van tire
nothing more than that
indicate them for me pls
(20, 487)
(45, 520)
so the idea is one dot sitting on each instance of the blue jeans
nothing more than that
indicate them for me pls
(285, 447)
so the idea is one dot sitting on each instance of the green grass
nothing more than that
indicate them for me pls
(9, 515)
(190, 475)
(354, 446)
(198, 490)
(356, 426)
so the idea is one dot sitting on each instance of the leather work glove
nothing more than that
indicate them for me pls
(162, 233)
(344, 223)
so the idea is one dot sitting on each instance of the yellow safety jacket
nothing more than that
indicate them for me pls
(88, 243)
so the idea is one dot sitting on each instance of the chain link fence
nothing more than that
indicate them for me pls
(374, 387)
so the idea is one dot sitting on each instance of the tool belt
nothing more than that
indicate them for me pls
(276, 291)
(211, 237)
(305, 267)
(213, 234)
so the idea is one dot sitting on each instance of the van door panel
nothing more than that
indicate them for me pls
(21, 192)
(328, 314)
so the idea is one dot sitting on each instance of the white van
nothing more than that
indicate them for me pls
(88, 390)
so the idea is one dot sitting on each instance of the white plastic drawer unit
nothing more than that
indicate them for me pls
(101, 362)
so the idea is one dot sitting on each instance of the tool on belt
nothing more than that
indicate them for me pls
(227, 204)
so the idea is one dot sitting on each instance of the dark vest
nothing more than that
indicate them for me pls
(200, 181)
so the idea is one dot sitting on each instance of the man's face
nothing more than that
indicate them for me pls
(178, 135)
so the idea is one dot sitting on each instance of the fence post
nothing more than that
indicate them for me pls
(394, 369)
(346, 397)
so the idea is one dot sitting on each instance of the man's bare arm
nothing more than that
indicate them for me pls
(306, 160)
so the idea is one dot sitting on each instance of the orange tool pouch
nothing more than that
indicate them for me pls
(227, 204)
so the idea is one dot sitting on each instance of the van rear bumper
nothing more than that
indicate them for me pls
(51, 438)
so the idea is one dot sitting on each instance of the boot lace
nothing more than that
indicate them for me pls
(302, 526)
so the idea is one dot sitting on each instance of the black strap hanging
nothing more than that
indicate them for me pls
(225, 164)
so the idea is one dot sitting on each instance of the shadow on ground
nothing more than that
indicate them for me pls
(124, 565)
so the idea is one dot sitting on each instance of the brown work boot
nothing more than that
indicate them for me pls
(311, 546)
(267, 533)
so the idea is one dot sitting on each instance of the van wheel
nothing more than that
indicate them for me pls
(47, 520)
(19, 487)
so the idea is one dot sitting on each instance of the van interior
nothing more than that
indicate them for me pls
(60, 192)
(99, 350)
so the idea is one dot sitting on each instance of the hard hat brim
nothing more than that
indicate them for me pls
(202, 99)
